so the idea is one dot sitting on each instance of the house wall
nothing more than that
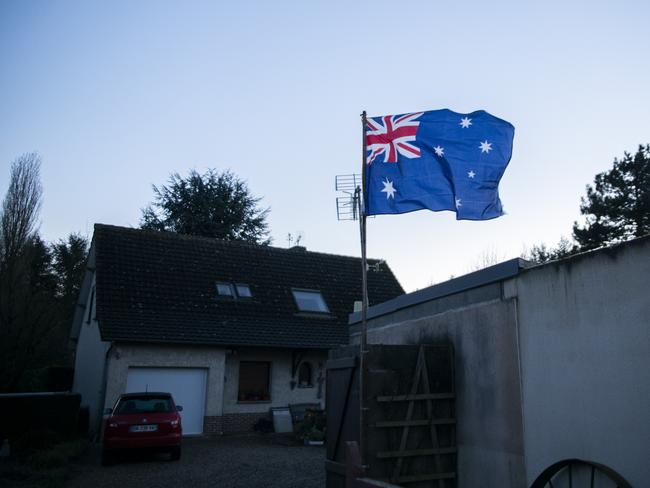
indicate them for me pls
(90, 360)
(483, 330)
(123, 356)
(585, 361)
(242, 415)
(223, 412)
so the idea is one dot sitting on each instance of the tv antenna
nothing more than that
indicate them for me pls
(291, 238)
(347, 206)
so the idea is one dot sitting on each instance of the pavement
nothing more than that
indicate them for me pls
(268, 461)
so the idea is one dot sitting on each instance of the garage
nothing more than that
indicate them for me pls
(187, 386)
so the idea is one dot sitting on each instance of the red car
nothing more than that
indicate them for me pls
(142, 421)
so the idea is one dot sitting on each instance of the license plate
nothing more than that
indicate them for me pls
(143, 428)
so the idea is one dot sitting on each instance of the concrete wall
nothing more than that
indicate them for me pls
(483, 330)
(281, 392)
(553, 363)
(90, 359)
(585, 361)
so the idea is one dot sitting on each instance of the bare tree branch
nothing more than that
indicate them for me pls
(21, 206)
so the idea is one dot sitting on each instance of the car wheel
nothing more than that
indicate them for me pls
(108, 457)
(175, 453)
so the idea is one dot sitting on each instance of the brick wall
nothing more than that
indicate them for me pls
(231, 423)
(213, 425)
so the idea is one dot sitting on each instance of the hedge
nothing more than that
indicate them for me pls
(21, 413)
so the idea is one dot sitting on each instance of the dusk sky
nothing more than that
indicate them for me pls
(115, 96)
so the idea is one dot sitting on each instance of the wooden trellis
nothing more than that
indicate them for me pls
(410, 418)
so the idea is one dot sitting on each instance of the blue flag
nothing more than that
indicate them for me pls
(437, 160)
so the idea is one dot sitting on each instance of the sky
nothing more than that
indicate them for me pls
(115, 96)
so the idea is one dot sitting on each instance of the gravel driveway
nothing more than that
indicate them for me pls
(226, 462)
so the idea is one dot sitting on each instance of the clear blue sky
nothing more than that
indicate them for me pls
(117, 95)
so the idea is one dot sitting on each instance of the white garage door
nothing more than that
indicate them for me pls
(187, 386)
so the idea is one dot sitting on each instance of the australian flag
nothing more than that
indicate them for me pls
(437, 160)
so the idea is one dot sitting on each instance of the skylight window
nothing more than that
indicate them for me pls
(234, 290)
(310, 301)
(243, 291)
(225, 290)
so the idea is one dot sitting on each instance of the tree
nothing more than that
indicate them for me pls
(541, 253)
(488, 257)
(617, 206)
(26, 319)
(20, 207)
(68, 267)
(39, 284)
(212, 204)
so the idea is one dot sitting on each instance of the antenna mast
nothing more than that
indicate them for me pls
(351, 207)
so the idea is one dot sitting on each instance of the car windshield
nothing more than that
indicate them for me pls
(144, 404)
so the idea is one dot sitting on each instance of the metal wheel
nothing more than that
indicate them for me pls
(576, 473)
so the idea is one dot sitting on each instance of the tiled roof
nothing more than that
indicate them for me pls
(161, 287)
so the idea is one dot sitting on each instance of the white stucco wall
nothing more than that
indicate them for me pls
(584, 332)
(223, 374)
(281, 392)
(90, 360)
(124, 356)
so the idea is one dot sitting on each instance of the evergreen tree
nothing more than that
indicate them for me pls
(68, 267)
(617, 206)
(541, 253)
(212, 204)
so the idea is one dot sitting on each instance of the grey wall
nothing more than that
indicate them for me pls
(585, 360)
(90, 359)
(488, 406)
(553, 363)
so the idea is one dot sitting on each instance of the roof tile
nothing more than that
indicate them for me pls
(161, 287)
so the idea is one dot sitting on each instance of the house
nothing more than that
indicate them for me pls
(231, 329)
(552, 363)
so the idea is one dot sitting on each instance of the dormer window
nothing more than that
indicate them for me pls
(310, 301)
(225, 290)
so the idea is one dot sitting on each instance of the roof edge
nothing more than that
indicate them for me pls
(492, 274)
(174, 235)
(221, 345)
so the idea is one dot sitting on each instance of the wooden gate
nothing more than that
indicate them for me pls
(409, 435)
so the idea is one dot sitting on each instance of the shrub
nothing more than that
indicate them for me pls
(312, 426)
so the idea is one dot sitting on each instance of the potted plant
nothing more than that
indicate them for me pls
(311, 430)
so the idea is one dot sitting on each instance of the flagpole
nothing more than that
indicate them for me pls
(361, 194)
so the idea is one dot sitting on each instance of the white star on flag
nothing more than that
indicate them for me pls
(389, 189)
(471, 174)
(485, 147)
(465, 122)
(440, 151)
(458, 204)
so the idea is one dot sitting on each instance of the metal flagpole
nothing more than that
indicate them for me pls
(361, 193)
